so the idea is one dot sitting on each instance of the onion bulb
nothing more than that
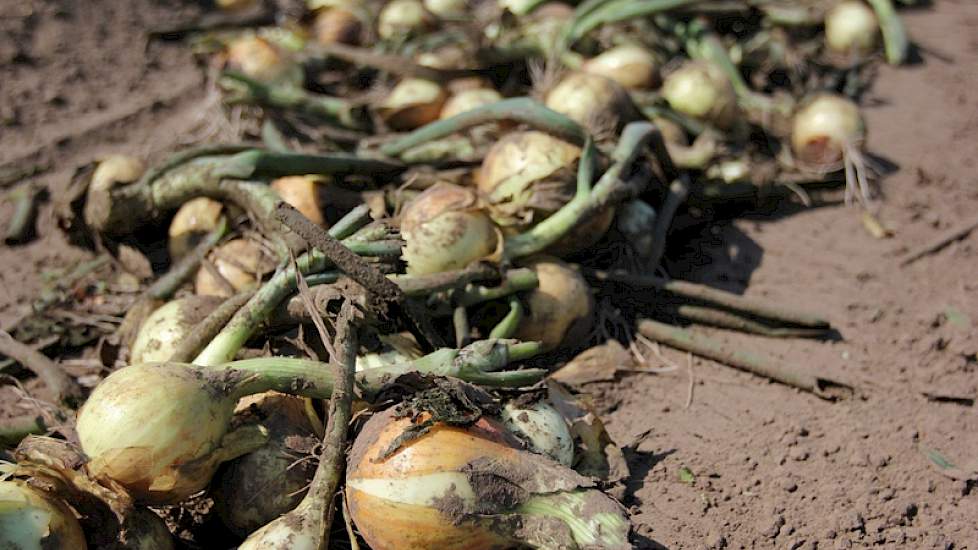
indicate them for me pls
(412, 103)
(526, 176)
(193, 220)
(824, 129)
(258, 58)
(630, 65)
(560, 309)
(466, 100)
(164, 329)
(240, 262)
(258, 487)
(590, 99)
(305, 193)
(444, 228)
(31, 520)
(542, 427)
(337, 25)
(470, 488)
(403, 18)
(116, 169)
(447, 57)
(700, 89)
(851, 28)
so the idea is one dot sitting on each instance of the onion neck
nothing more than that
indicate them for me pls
(590, 526)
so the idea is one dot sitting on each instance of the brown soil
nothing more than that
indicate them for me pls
(772, 467)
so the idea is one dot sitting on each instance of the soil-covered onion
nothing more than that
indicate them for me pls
(466, 100)
(240, 262)
(164, 329)
(542, 427)
(258, 58)
(590, 99)
(560, 309)
(823, 129)
(412, 103)
(305, 193)
(630, 65)
(337, 25)
(851, 28)
(193, 220)
(32, 520)
(700, 89)
(403, 18)
(258, 487)
(444, 228)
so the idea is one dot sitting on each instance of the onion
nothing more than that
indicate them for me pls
(466, 100)
(823, 129)
(164, 329)
(412, 103)
(258, 487)
(447, 8)
(337, 25)
(258, 58)
(31, 520)
(444, 228)
(590, 99)
(526, 176)
(305, 193)
(193, 220)
(701, 90)
(401, 18)
(560, 309)
(448, 57)
(240, 262)
(470, 488)
(630, 65)
(116, 169)
(542, 427)
(851, 28)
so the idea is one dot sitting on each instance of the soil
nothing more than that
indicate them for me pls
(771, 466)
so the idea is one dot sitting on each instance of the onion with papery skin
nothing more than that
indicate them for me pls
(700, 89)
(630, 65)
(823, 129)
(258, 487)
(542, 427)
(590, 100)
(403, 18)
(337, 25)
(192, 222)
(466, 100)
(412, 103)
(560, 309)
(305, 193)
(444, 228)
(258, 58)
(161, 333)
(851, 28)
(116, 169)
(240, 262)
(32, 520)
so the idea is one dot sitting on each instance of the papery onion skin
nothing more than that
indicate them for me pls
(630, 65)
(542, 427)
(238, 261)
(164, 329)
(823, 128)
(466, 100)
(257, 58)
(412, 103)
(560, 309)
(590, 99)
(193, 220)
(305, 193)
(700, 89)
(444, 229)
(402, 17)
(851, 28)
(31, 520)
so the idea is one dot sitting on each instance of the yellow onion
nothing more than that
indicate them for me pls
(701, 90)
(337, 25)
(116, 169)
(560, 309)
(258, 487)
(823, 129)
(444, 228)
(851, 28)
(412, 103)
(630, 65)
(447, 8)
(448, 57)
(241, 262)
(470, 487)
(193, 220)
(164, 329)
(305, 193)
(32, 520)
(590, 99)
(258, 58)
(466, 100)
(403, 18)
(542, 427)
(526, 176)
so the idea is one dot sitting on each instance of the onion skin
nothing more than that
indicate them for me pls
(412, 103)
(116, 169)
(590, 99)
(630, 65)
(851, 28)
(823, 128)
(403, 17)
(164, 329)
(257, 58)
(444, 229)
(701, 90)
(30, 520)
(305, 194)
(337, 25)
(239, 261)
(466, 100)
(193, 220)
(542, 427)
(560, 309)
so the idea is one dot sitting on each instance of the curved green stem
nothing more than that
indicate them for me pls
(895, 39)
(290, 96)
(506, 328)
(595, 15)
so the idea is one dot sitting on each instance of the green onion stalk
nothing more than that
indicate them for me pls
(895, 40)
(246, 90)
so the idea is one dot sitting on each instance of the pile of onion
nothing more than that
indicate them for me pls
(560, 309)
(851, 28)
(33, 520)
(700, 89)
